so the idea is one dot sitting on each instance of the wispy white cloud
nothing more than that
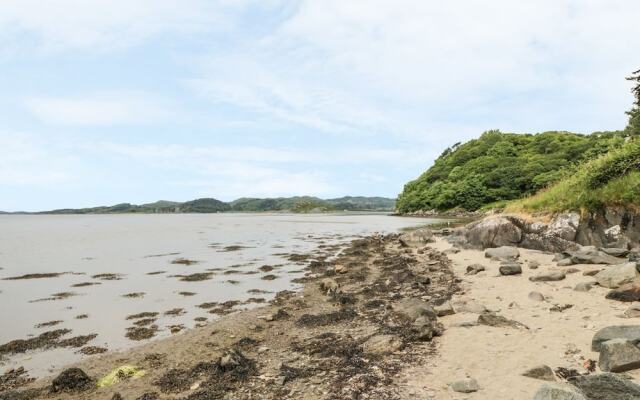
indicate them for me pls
(112, 108)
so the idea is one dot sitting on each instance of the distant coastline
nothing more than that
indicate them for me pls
(298, 204)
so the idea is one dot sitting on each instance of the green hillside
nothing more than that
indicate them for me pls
(501, 166)
(612, 179)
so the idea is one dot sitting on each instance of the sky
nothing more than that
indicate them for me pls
(111, 101)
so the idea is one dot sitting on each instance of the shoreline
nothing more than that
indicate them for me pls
(357, 331)
(341, 336)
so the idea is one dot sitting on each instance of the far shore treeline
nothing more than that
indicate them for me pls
(209, 205)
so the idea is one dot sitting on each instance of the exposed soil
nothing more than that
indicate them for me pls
(307, 345)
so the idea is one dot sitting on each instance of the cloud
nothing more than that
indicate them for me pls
(101, 109)
(25, 160)
(101, 25)
(421, 68)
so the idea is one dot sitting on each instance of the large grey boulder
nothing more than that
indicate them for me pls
(558, 391)
(615, 251)
(606, 386)
(417, 238)
(502, 253)
(617, 275)
(474, 269)
(564, 226)
(619, 355)
(628, 332)
(591, 255)
(493, 232)
(382, 344)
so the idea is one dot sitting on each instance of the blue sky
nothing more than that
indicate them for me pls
(108, 101)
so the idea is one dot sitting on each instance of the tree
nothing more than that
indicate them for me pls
(634, 113)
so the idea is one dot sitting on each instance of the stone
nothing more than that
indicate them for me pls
(565, 262)
(417, 238)
(444, 309)
(536, 296)
(606, 386)
(533, 264)
(541, 372)
(340, 269)
(471, 308)
(618, 355)
(510, 269)
(550, 276)
(627, 293)
(415, 308)
(591, 272)
(329, 285)
(502, 253)
(633, 311)
(382, 344)
(628, 332)
(617, 275)
(498, 321)
(465, 386)
(71, 380)
(493, 232)
(425, 329)
(565, 226)
(474, 269)
(591, 255)
(452, 250)
(615, 251)
(583, 287)
(558, 391)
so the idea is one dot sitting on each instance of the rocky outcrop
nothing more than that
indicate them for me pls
(618, 275)
(613, 230)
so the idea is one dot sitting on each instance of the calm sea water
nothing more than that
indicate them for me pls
(132, 246)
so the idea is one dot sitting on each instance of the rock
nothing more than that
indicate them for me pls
(626, 293)
(329, 285)
(619, 355)
(444, 309)
(510, 269)
(591, 255)
(493, 232)
(473, 269)
(583, 287)
(615, 251)
(564, 226)
(569, 271)
(533, 264)
(633, 311)
(471, 308)
(465, 386)
(628, 332)
(606, 386)
(617, 275)
(591, 272)
(417, 238)
(558, 391)
(425, 329)
(452, 250)
(541, 372)
(340, 269)
(415, 308)
(382, 344)
(71, 380)
(498, 321)
(502, 253)
(565, 262)
(548, 276)
(536, 296)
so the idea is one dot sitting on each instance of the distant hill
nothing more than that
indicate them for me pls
(299, 204)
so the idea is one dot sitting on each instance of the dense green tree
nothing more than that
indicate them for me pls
(634, 113)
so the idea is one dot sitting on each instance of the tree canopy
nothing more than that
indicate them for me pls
(634, 113)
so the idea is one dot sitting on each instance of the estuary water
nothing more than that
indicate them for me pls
(90, 273)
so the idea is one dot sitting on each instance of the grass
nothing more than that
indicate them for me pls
(613, 179)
